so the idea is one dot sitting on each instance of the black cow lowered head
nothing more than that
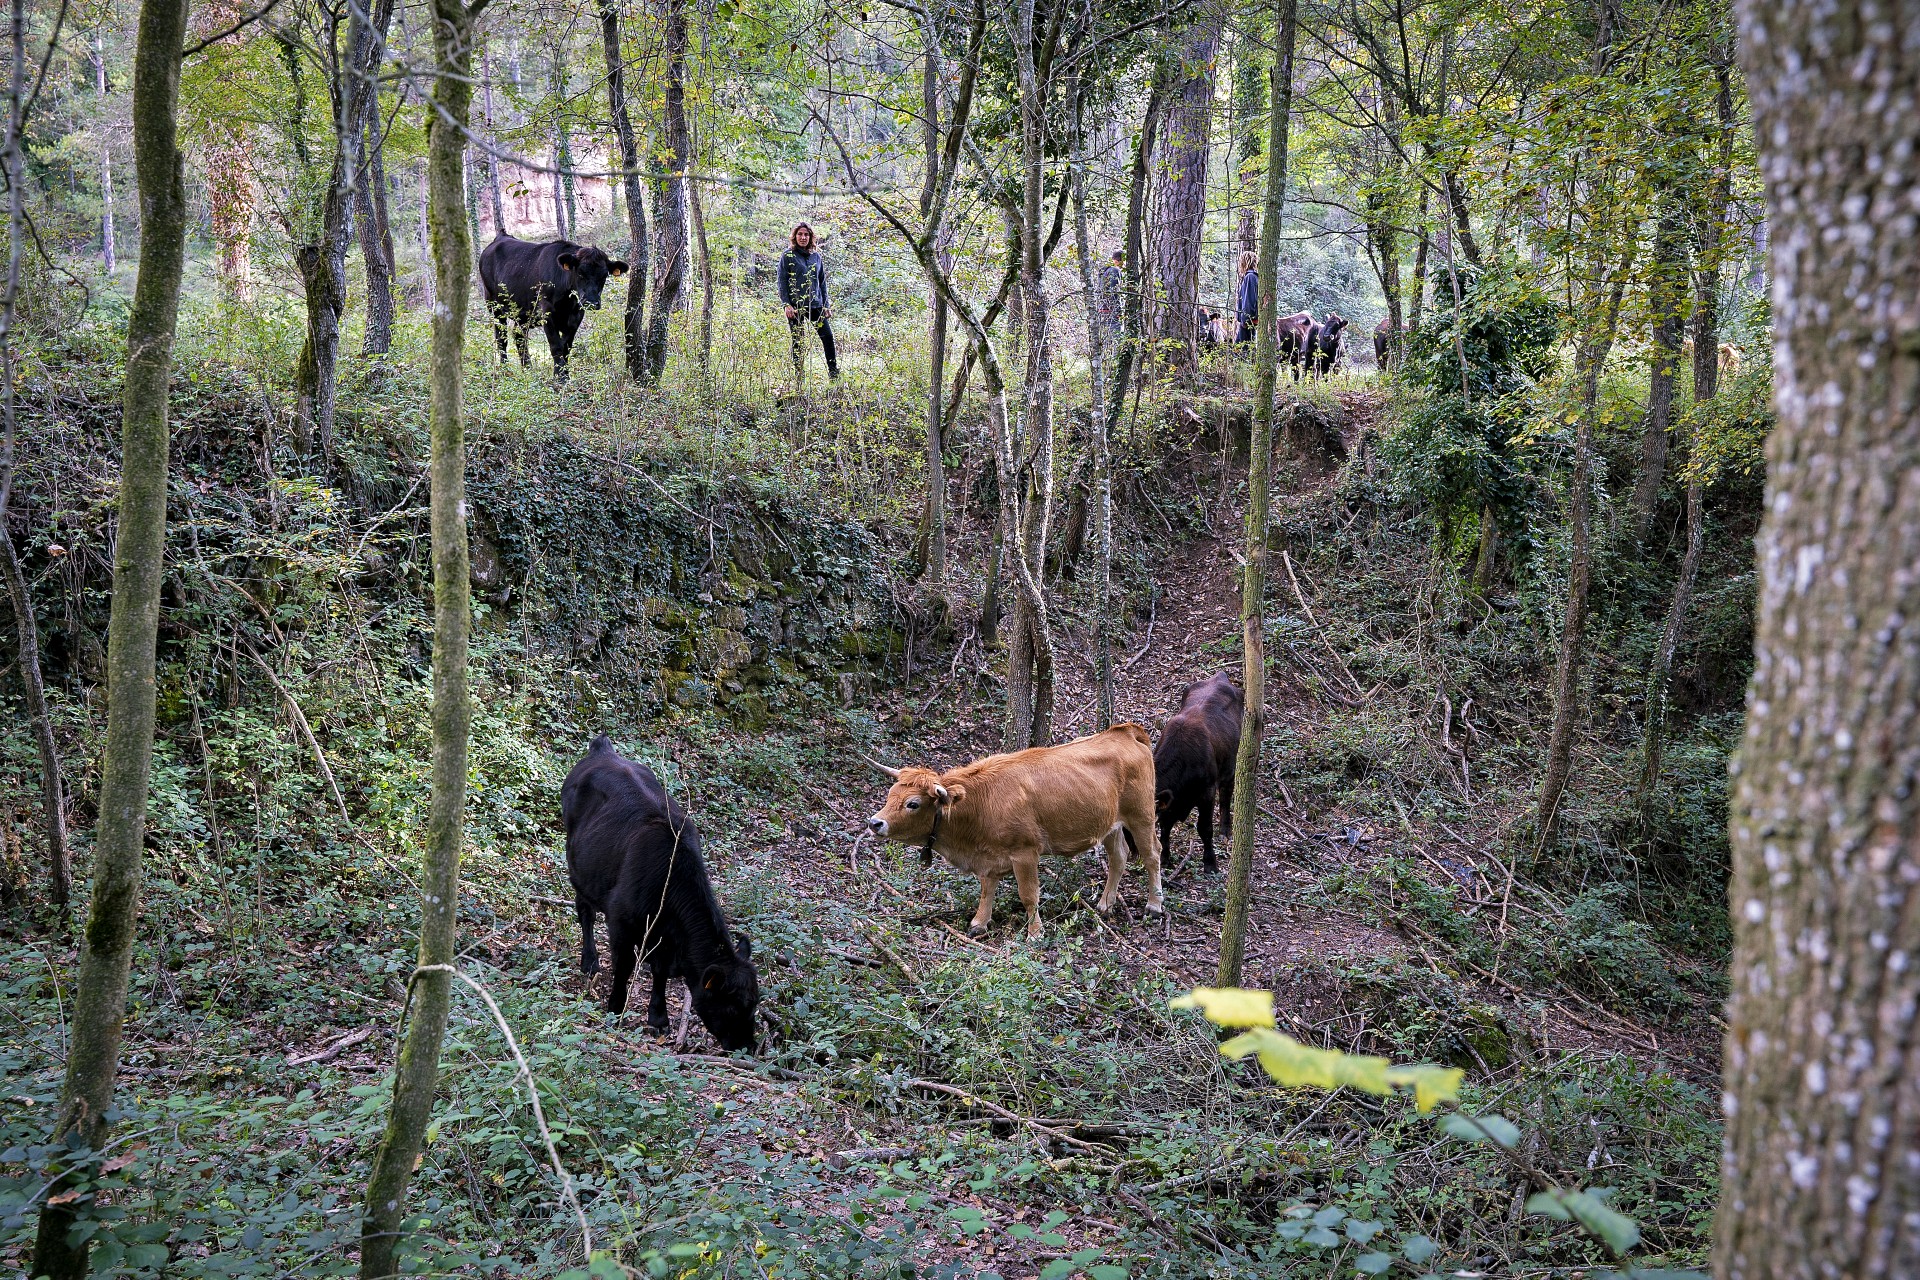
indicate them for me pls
(634, 854)
(554, 284)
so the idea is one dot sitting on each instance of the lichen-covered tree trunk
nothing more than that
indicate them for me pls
(1821, 1173)
(636, 316)
(1253, 584)
(370, 200)
(496, 202)
(1590, 359)
(1711, 236)
(58, 873)
(1183, 204)
(670, 196)
(1133, 307)
(1101, 429)
(106, 948)
(322, 259)
(1667, 293)
(419, 1065)
(564, 211)
(106, 160)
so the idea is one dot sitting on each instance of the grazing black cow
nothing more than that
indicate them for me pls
(1323, 344)
(1291, 333)
(1194, 761)
(633, 854)
(555, 283)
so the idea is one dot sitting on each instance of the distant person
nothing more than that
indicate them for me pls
(803, 288)
(1107, 304)
(1247, 306)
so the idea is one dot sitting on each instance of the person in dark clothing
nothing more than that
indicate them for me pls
(1247, 306)
(803, 288)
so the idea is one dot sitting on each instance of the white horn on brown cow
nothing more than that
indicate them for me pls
(891, 773)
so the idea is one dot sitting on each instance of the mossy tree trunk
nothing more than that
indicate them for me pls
(1821, 1167)
(1101, 428)
(636, 317)
(370, 199)
(1253, 585)
(670, 195)
(419, 1064)
(59, 875)
(1133, 319)
(106, 949)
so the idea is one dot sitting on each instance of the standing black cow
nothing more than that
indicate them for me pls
(554, 283)
(1323, 344)
(633, 854)
(1195, 758)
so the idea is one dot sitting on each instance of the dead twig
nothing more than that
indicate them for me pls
(329, 1052)
(1014, 1117)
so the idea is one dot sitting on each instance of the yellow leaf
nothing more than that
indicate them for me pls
(1230, 1006)
(1431, 1085)
(1297, 1065)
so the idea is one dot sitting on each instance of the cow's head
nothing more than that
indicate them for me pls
(727, 997)
(586, 273)
(1335, 322)
(913, 799)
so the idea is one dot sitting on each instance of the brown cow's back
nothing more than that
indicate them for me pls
(1064, 799)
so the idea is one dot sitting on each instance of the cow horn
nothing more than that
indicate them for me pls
(891, 773)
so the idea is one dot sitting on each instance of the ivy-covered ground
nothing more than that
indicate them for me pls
(719, 582)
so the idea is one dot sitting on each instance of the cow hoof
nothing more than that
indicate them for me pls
(589, 965)
(1156, 909)
(658, 1028)
(976, 931)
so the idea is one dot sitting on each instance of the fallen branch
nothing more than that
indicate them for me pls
(1014, 1117)
(331, 1051)
(306, 731)
(1153, 609)
(841, 1159)
(1317, 629)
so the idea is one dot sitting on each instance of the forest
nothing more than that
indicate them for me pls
(1392, 522)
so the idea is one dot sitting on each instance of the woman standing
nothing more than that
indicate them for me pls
(1247, 306)
(803, 288)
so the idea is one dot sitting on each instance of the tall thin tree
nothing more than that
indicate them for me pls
(636, 315)
(1253, 585)
(139, 556)
(418, 1069)
(670, 214)
(1821, 1167)
(58, 873)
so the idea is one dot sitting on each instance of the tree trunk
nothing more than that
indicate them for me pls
(58, 874)
(419, 1063)
(1183, 203)
(370, 198)
(323, 260)
(227, 155)
(106, 160)
(706, 280)
(636, 321)
(670, 195)
(1821, 1171)
(1249, 110)
(426, 241)
(564, 212)
(1416, 304)
(1710, 251)
(1253, 585)
(1590, 359)
(1133, 310)
(495, 201)
(1667, 293)
(139, 565)
(1102, 429)
(933, 527)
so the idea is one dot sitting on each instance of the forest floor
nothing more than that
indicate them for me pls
(967, 1107)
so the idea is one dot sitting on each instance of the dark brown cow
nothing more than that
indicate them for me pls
(1194, 761)
(1382, 342)
(1323, 344)
(1000, 814)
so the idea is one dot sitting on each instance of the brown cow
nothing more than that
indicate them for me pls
(999, 814)
(1291, 332)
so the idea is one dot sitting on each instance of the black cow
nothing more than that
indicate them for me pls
(633, 854)
(1194, 761)
(1323, 344)
(1383, 334)
(554, 283)
(1291, 332)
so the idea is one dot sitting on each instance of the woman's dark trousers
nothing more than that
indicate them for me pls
(825, 330)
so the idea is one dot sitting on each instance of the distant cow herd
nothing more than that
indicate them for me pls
(633, 854)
